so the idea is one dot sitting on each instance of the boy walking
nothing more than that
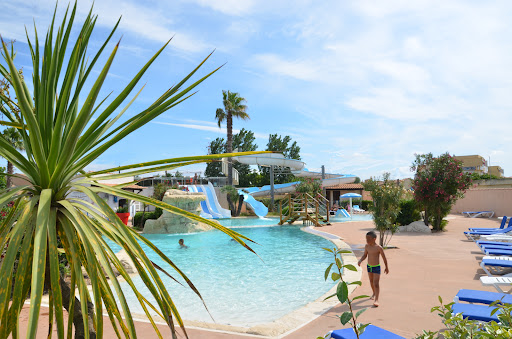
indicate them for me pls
(373, 251)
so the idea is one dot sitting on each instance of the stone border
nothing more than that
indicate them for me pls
(296, 319)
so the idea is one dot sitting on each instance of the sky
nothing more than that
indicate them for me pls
(362, 86)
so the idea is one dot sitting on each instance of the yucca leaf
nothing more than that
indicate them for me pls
(39, 260)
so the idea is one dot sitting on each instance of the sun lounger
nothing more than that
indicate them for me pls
(502, 226)
(472, 214)
(481, 297)
(496, 282)
(496, 265)
(475, 312)
(356, 209)
(497, 237)
(500, 243)
(477, 234)
(370, 332)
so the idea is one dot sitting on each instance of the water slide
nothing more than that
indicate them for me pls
(210, 208)
(297, 168)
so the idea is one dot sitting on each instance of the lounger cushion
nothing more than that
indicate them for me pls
(482, 297)
(369, 333)
(485, 242)
(497, 251)
(497, 262)
(500, 247)
(475, 312)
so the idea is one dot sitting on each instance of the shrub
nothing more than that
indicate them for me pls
(437, 185)
(366, 204)
(458, 327)
(308, 185)
(148, 215)
(408, 212)
(385, 209)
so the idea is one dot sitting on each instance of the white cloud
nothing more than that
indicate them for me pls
(208, 128)
(230, 7)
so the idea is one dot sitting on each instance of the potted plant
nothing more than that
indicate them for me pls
(123, 214)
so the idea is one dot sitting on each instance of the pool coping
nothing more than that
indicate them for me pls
(296, 319)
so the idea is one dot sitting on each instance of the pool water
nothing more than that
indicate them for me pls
(249, 222)
(238, 287)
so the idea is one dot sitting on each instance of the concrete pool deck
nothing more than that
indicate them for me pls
(421, 268)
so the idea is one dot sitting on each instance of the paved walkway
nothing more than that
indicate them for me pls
(421, 268)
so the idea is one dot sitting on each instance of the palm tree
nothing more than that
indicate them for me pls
(233, 108)
(50, 220)
(13, 137)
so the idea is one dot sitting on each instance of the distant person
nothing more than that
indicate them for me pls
(182, 244)
(373, 251)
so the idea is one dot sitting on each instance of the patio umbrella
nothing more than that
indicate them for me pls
(350, 196)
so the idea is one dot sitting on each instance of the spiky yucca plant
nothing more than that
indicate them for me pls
(61, 136)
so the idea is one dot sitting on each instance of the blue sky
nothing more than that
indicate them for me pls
(361, 85)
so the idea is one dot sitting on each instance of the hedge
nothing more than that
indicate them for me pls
(148, 215)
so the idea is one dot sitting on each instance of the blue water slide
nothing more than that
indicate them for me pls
(225, 213)
(342, 213)
(258, 207)
(204, 208)
(205, 205)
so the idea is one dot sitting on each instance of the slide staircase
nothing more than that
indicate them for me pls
(302, 206)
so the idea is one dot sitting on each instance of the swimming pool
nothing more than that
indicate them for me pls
(355, 217)
(239, 288)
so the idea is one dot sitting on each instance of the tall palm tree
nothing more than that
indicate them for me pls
(13, 137)
(234, 107)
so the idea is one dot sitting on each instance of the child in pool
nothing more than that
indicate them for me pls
(373, 251)
(182, 244)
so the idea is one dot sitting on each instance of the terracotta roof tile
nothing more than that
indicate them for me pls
(346, 187)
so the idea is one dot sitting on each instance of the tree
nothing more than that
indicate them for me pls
(214, 169)
(13, 137)
(308, 185)
(234, 107)
(386, 206)
(438, 184)
(235, 200)
(290, 150)
(62, 135)
(245, 141)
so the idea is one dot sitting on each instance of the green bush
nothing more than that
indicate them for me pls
(366, 204)
(408, 212)
(148, 215)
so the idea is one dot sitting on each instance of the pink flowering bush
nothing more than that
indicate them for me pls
(438, 184)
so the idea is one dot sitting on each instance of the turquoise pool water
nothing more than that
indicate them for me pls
(238, 287)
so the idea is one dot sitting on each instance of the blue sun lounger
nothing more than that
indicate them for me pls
(482, 297)
(496, 265)
(370, 332)
(502, 226)
(476, 234)
(475, 312)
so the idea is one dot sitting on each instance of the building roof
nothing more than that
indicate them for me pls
(133, 186)
(345, 187)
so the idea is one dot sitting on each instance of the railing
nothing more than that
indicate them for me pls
(304, 206)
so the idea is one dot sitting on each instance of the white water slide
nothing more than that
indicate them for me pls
(297, 168)
(210, 208)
